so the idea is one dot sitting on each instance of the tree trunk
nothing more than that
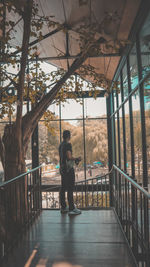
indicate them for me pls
(14, 158)
(14, 163)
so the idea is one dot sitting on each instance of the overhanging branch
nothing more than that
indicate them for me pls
(31, 119)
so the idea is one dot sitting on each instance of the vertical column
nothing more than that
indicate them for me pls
(35, 135)
(35, 148)
(35, 154)
(142, 114)
(118, 129)
(60, 129)
(110, 148)
(123, 124)
(133, 196)
(131, 120)
(113, 122)
(84, 143)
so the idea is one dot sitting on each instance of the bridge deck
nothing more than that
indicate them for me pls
(92, 239)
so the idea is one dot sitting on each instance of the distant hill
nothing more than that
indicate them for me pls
(95, 137)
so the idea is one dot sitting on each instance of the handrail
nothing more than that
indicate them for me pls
(19, 176)
(132, 182)
(121, 172)
(52, 188)
(83, 181)
(90, 179)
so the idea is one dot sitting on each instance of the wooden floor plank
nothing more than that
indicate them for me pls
(93, 239)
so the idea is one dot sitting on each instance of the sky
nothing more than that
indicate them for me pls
(72, 109)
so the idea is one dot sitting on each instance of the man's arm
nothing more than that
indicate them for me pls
(70, 157)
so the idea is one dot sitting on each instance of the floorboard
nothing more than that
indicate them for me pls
(93, 239)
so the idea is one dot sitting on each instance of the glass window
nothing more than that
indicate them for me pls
(128, 142)
(137, 137)
(145, 46)
(113, 139)
(49, 140)
(125, 81)
(119, 92)
(133, 68)
(54, 109)
(117, 146)
(115, 100)
(147, 121)
(121, 139)
(77, 141)
(71, 109)
(95, 107)
(96, 147)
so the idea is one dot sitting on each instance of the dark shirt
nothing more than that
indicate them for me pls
(63, 148)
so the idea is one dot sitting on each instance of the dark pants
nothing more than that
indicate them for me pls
(67, 184)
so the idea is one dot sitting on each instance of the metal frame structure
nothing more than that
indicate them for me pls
(139, 88)
(83, 119)
(130, 200)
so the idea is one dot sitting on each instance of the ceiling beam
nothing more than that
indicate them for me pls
(65, 57)
(37, 40)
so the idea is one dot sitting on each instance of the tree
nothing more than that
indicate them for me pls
(17, 134)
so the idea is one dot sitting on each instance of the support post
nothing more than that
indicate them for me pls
(131, 120)
(142, 113)
(35, 153)
(84, 147)
(60, 128)
(35, 148)
(110, 150)
(123, 125)
(84, 143)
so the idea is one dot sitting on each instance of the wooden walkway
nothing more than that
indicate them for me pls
(92, 239)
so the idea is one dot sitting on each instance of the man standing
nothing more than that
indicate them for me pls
(67, 174)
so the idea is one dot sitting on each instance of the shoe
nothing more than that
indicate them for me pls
(65, 210)
(74, 212)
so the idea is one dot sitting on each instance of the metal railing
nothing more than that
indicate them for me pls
(20, 203)
(93, 192)
(132, 205)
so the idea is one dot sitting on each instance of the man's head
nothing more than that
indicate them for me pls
(66, 135)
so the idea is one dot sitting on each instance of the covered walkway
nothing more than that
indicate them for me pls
(92, 239)
(114, 68)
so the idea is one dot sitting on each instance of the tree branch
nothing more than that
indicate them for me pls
(12, 81)
(25, 44)
(31, 119)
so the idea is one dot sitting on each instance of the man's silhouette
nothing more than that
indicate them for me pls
(67, 174)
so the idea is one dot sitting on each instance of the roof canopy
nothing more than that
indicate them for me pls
(62, 47)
